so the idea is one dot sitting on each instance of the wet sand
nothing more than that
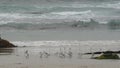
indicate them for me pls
(44, 57)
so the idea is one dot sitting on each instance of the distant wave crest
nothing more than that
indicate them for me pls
(39, 26)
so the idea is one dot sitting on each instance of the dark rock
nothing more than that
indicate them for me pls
(5, 44)
(106, 52)
(107, 56)
(94, 53)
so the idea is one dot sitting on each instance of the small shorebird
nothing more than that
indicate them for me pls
(44, 54)
(26, 54)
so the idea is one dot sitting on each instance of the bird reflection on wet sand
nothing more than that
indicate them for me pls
(6, 51)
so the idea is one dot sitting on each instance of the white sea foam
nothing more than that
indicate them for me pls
(20, 15)
(45, 17)
(71, 13)
(11, 15)
(106, 45)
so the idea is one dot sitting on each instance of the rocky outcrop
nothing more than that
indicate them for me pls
(99, 52)
(5, 44)
(107, 56)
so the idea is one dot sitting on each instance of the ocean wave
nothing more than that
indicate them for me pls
(78, 5)
(66, 43)
(39, 26)
(55, 14)
(110, 5)
(95, 45)
(66, 11)
(72, 13)
(69, 15)
(26, 26)
(100, 4)
(36, 17)
(61, 14)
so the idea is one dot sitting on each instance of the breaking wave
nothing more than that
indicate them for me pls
(67, 43)
(84, 45)
(41, 26)
(54, 13)
(42, 20)
(56, 23)
(51, 15)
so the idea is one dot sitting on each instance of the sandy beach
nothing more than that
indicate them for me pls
(31, 57)
(50, 49)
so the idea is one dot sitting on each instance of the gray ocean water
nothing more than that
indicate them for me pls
(51, 20)
(19, 13)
